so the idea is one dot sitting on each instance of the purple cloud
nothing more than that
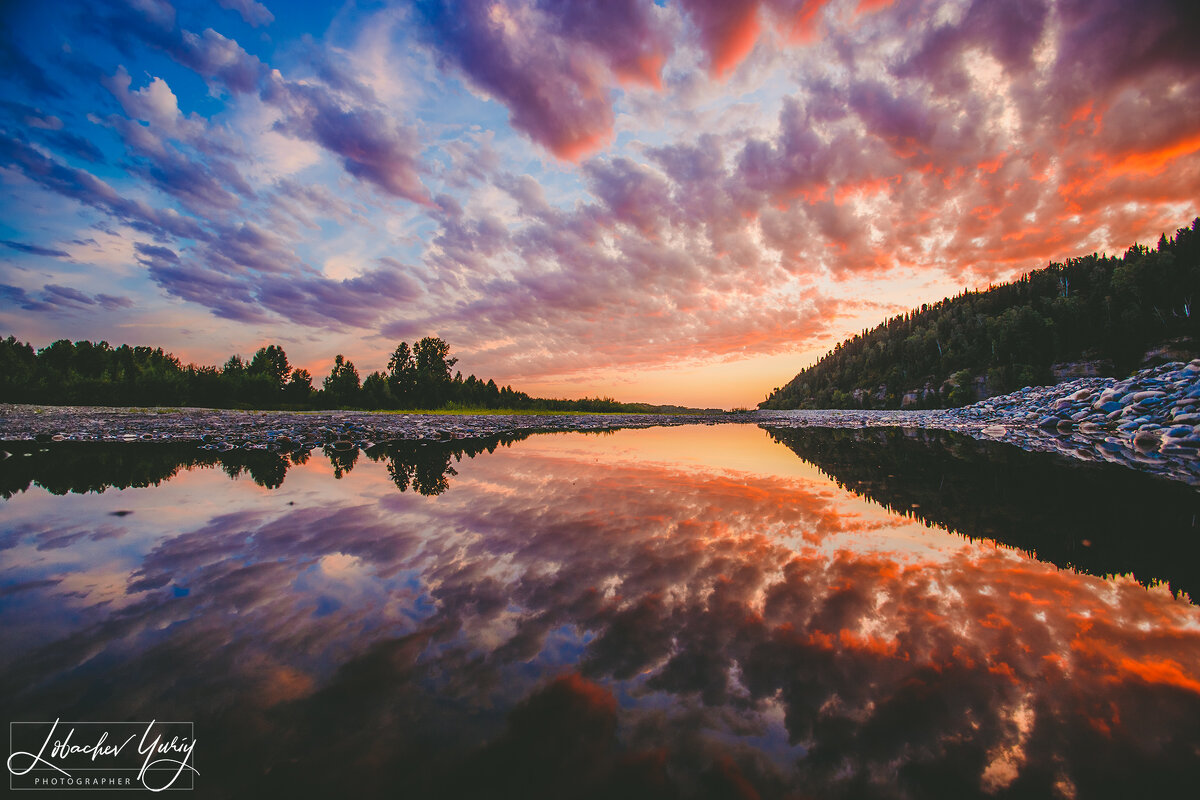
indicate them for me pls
(355, 302)
(59, 298)
(623, 31)
(552, 70)
(633, 194)
(112, 303)
(152, 253)
(22, 299)
(72, 145)
(255, 14)
(16, 66)
(65, 295)
(225, 296)
(35, 250)
(369, 145)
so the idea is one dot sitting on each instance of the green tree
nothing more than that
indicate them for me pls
(299, 389)
(376, 393)
(402, 375)
(272, 362)
(234, 366)
(342, 384)
(433, 371)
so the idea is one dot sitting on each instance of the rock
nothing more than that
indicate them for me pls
(1146, 440)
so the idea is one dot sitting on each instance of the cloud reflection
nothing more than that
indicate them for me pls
(558, 620)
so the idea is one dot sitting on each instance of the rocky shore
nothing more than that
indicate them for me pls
(1149, 421)
(283, 430)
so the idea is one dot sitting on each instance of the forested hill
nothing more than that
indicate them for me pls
(1094, 315)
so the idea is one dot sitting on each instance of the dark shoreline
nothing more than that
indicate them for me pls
(291, 430)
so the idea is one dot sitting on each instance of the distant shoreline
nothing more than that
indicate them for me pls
(1064, 419)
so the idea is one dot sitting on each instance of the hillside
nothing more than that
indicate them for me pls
(1093, 315)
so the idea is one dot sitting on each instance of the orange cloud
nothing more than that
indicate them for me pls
(869, 6)
(735, 43)
(1152, 161)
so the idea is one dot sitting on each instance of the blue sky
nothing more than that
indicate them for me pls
(669, 202)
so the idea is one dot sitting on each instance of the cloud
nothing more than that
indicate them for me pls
(626, 32)
(73, 145)
(1009, 30)
(255, 14)
(35, 250)
(154, 103)
(21, 299)
(154, 253)
(60, 299)
(633, 194)
(90, 190)
(727, 30)
(112, 303)
(17, 66)
(370, 146)
(552, 69)
(357, 302)
(65, 295)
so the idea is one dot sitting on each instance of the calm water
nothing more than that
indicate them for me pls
(683, 612)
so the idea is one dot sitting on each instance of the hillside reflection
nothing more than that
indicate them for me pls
(570, 620)
(1100, 518)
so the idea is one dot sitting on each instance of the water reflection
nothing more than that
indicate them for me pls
(582, 618)
(1101, 518)
(60, 468)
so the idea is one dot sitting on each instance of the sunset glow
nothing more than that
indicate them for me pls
(683, 201)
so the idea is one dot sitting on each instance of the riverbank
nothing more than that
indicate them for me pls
(293, 429)
(1149, 422)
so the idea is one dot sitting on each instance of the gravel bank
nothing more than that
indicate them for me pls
(1149, 422)
(287, 430)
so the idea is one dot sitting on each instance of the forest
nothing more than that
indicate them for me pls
(1108, 312)
(417, 378)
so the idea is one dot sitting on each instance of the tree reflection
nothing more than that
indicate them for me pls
(425, 467)
(1100, 518)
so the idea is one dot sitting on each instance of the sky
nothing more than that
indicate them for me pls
(683, 201)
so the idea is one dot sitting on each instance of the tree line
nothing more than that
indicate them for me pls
(1107, 310)
(418, 377)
